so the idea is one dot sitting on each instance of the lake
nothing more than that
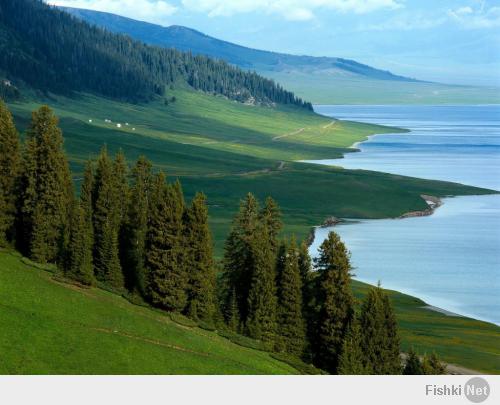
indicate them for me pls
(452, 258)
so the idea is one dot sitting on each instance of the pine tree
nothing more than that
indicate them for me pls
(431, 365)
(79, 253)
(167, 280)
(380, 336)
(136, 226)
(335, 300)
(232, 315)
(270, 215)
(291, 326)
(106, 224)
(239, 261)
(261, 320)
(46, 190)
(351, 360)
(198, 261)
(413, 364)
(10, 160)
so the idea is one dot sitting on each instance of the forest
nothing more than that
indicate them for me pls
(130, 231)
(52, 51)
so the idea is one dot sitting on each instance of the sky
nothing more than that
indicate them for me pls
(449, 41)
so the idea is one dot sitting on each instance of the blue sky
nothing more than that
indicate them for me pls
(451, 41)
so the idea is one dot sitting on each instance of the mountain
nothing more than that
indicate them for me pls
(187, 39)
(52, 51)
(321, 80)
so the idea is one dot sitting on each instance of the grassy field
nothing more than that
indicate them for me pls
(324, 88)
(227, 149)
(49, 327)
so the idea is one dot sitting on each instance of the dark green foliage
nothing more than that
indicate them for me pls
(291, 325)
(59, 53)
(380, 336)
(107, 216)
(134, 241)
(239, 262)
(431, 365)
(198, 261)
(167, 280)
(428, 365)
(261, 322)
(10, 160)
(352, 360)
(78, 263)
(46, 190)
(413, 364)
(232, 314)
(335, 301)
(270, 216)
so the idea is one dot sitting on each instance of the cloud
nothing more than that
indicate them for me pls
(155, 11)
(470, 18)
(405, 22)
(289, 9)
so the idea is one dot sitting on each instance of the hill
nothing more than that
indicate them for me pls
(51, 51)
(73, 330)
(321, 80)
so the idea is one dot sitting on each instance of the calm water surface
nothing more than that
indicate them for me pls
(452, 258)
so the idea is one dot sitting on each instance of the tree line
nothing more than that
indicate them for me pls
(131, 230)
(53, 51)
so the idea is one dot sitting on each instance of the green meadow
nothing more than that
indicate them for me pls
(50, 327)
(227, 149)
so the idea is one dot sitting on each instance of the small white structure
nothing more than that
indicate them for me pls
(133, 129)
(90, 121)
(107, 120)
(118, 125)
(126, 124)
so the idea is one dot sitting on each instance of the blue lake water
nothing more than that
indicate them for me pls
(452, 258)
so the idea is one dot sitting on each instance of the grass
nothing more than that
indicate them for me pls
(49, 327)
(53, 328)
(325, 88)
(457, 340)
(227, 149)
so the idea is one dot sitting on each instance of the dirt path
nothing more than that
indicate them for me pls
(289, 134)
(329, 125)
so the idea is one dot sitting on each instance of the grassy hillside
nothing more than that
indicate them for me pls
(49, 327)
(331, 88)
(227, 149)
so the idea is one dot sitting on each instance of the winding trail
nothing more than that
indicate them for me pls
(289, 134)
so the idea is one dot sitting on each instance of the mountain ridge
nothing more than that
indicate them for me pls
(189, 39)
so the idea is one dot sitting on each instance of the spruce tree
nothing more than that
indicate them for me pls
(10, 160)
(262, 301)
(232, 315)
(46, 190)
(431, 365)
(167, 280)
(413, 364)
(270, 215)
(86, 199)
(291, 326)
(106, 224)
(136, 226)
(198, 261)
(79, 253)
(351, 360)
(380, 337)
(239, 261)
(335, 300)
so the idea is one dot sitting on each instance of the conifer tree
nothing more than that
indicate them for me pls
(79, 253)
(413, 364)
(335, 300)
(232, 315)
(291, 326)
(167, 280)
(270, 215)
(351, 360)
(137, 224)
(10, 160)
(198, 261)
(261, 321)
(239, 261)
(380, 336)
(106, 224)
(86, 199)
(121, 188)
(431, 365)
(46, 190)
